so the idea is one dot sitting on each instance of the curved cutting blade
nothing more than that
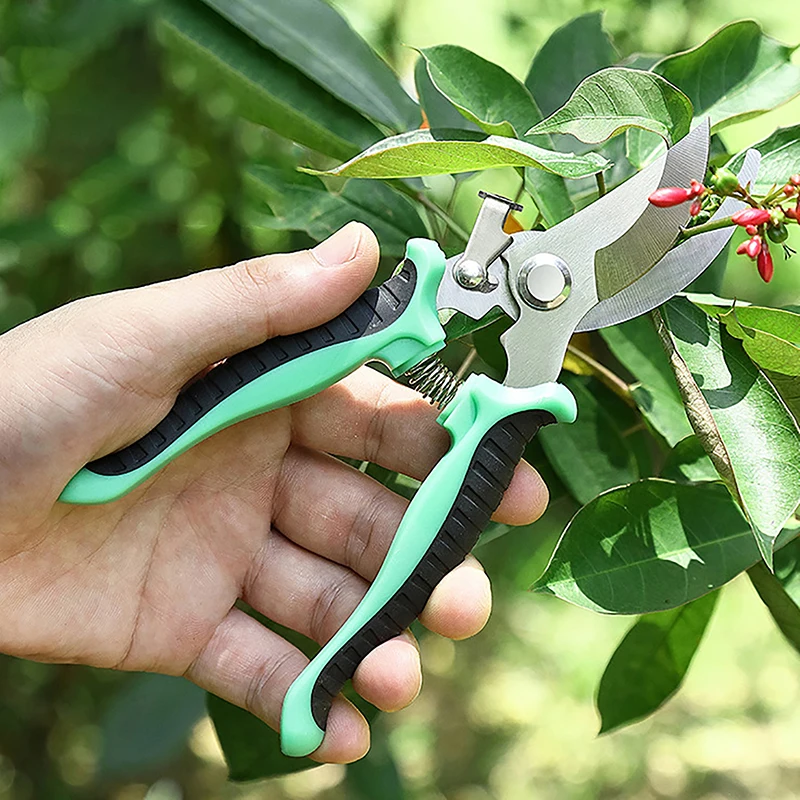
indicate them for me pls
(605, 249)
(679, 267)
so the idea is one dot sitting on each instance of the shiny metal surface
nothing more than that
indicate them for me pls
(536, 343)
(676, 270)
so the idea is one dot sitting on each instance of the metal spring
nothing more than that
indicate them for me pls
(432, 379)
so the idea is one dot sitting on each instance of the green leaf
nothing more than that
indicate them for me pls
(636, 345)
(423, 152)
(649, 664)
(252, 749)
(269, 91)
(303, 202)
(616, 99)
(688, 461)
(573, 52)
(441, 113)
(483, 92)
(591, 455)
(780, 158)
(770, 336)
(738, 410)
(736, 74)
(650, 546)
(787, 568)
(317, 40)
(494, 100)
(147, 725)
(781, 605)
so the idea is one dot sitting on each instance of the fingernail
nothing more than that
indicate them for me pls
(340, 248)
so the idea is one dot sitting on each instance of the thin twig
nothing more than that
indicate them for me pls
(604, 375)
(444, 216)
(714, 225)
(601, 183)
(466, 363)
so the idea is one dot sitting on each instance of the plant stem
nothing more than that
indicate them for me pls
(714, 225)
(444, 216)
(601, 183)
(604, 375)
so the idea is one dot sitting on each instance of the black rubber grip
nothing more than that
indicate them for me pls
(375, 310)
(488, 476)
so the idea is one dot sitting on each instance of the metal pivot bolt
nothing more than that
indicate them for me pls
(486, 242)
(544, 281)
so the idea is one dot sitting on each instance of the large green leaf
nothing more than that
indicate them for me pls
(781, 605)
(735, 407)
(649, 664)
(303, 203)
(268, 90)
(636, 345)
(688, 461)
(316, 39)
(147, 725)
(441, 113)
(617, 98)
(650, 546)
(482, 91)
(770, 336)
(780, 158)
(573, 52)
(423, 152)
(736, 74)
(494, 100)
(591, 455)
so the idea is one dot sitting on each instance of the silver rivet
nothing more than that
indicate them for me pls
(469, 273)
(544, 281)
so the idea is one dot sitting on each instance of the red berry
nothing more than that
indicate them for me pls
(765, 265)
(751, 230)
(669, 196)
(695, 208)
(751, 216)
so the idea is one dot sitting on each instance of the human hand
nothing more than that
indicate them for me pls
(259, 512)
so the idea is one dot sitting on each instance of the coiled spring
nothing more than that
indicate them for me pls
(432, 379)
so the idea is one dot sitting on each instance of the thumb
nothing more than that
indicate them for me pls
(195, 321)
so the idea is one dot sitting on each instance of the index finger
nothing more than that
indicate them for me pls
(370, 417)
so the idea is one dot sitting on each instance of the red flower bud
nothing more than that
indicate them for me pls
(696, 189)
(695, 208)
(741, 250)
(788, 190)
(751, 230)
(765, 265)
(751, 216)
(753, 246)
(791, 213)
(795, 180)
(669, 196)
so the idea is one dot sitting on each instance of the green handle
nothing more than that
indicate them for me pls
(396, 323)
(489, 425)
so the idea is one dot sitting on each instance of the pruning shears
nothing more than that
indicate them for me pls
(608, 263)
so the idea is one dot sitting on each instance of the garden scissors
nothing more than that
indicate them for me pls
(607, 263)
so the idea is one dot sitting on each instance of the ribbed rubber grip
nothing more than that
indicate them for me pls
(373, 311)
(488, 476)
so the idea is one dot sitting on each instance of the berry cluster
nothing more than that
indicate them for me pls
(764, 220)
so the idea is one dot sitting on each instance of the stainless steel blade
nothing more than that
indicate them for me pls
(611, 226)
(676, 270)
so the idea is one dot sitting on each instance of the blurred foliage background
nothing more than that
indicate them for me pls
(120, 165)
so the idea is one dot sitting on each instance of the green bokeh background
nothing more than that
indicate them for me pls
(120, 166)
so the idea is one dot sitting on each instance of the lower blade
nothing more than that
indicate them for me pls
(676, 270)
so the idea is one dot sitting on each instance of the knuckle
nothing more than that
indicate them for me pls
(327, 609)
(279, 671)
